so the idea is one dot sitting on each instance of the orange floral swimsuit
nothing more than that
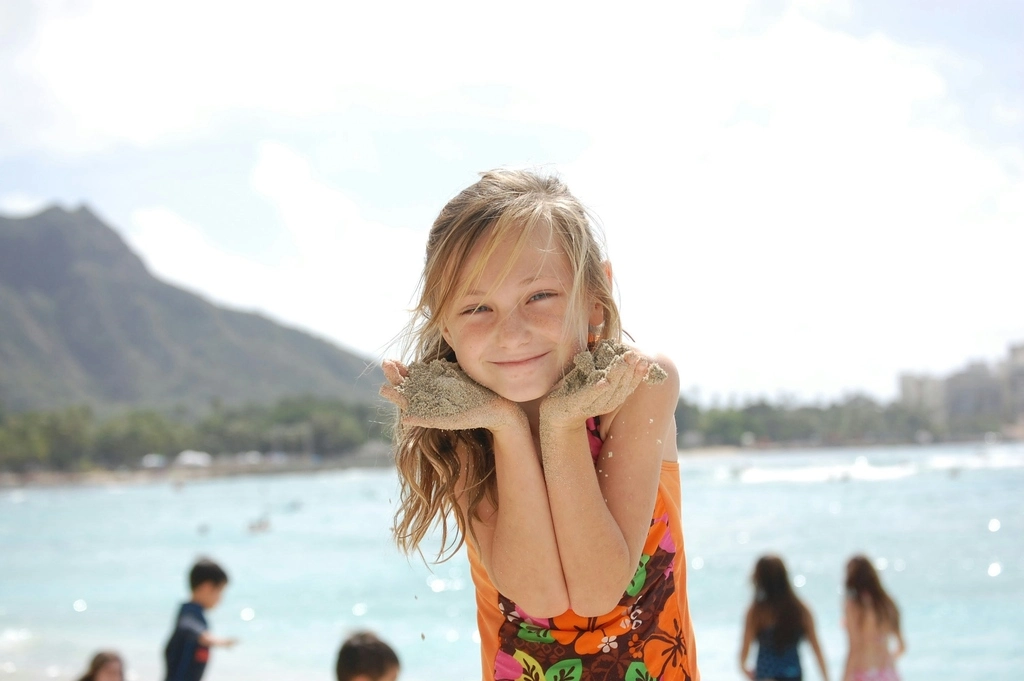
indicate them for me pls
(647, 637)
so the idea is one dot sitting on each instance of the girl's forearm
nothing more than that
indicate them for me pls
(593, 551)
(524, 553)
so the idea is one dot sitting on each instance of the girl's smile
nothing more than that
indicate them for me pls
(513, 363)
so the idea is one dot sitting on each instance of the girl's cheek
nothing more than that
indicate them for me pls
(553, 319)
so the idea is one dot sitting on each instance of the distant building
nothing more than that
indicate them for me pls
(924, 394)
(974, 392)
(1013, 380)
(973, 395)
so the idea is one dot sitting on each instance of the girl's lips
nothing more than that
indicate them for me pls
(519, 362)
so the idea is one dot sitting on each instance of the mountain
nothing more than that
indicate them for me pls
(83, 321)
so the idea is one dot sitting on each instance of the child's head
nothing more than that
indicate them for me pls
(513, 273)
(207, 580)
(105, 666)
(364, 657)
(776, 605)
(771, 581)
(865, 588)
(861, 577)
(474, 245)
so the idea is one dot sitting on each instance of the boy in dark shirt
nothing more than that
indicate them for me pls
(189, 647)
(364, 657)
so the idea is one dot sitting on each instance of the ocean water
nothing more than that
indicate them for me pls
(84, 568)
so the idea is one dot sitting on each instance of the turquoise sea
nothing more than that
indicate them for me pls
(83, 568)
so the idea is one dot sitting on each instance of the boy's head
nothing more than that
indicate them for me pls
(207, 580)
(364, 657)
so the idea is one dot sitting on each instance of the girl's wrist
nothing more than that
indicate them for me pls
(510, 417)
(553, 427)
(554, 418)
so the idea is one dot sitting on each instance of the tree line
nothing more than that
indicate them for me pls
(75, 438)
(852, 420)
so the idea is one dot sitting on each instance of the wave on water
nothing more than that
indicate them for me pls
(9, 638)
(862, 469)
(859, 470)
(986, 459)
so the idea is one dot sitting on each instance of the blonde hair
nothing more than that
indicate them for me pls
(503, 204)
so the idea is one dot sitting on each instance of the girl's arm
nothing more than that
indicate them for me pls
(812, 638)
(516, 541)
(602, 515)
(901, 647)
(748, 638)
(851, 622)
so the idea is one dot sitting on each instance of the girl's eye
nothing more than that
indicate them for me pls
(542, 295)
(475, 310)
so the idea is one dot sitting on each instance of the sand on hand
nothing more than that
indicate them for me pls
(441, 388)
(591, 367)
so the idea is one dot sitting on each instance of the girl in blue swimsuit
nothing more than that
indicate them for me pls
(777, 620)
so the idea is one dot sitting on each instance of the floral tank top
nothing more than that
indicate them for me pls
(647, 637)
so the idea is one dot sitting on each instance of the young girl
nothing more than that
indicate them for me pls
(777, 619)
(872, 623)
(567, 490)
(105, 666)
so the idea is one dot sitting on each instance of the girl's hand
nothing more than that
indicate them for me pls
(440, 395)
(597, 384)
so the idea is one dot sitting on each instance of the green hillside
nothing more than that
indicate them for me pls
(83, 321)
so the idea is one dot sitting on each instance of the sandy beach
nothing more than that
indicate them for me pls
(371, 455)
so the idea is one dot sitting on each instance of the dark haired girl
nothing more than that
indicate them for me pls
(777, 620)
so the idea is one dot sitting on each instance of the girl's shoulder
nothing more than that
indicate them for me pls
(649, 395)
(662, 392)
(670, 383)
(650, 409)
(806, 616)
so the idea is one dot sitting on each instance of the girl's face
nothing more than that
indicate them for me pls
(510, 333)
(111, 671)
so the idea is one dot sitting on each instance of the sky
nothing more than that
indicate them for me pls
(799, 199)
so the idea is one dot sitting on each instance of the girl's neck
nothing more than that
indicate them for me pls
(532, 411)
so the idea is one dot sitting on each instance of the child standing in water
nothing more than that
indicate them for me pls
(777, 620)
(549, 444)
(188, 649)
(872, 623)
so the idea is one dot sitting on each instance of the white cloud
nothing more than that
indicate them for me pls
(112, 72)
(826, 241)
(790, 207)
(1007, 114)
(351, 280)
(179, 251)
(825, 9)
(19, 204)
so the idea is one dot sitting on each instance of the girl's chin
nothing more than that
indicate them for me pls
(530, 397)
(523, 395)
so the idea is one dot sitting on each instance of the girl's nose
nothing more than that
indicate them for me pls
(512, 330)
